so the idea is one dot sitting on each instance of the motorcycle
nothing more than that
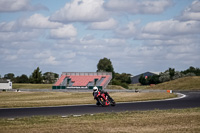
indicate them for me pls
(104, 99)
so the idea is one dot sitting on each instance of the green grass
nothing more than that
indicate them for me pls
(186, 83)
(115, 87)
(156, 121)
(32, 86)
(36, 99)
(49, 86)
(136, 86)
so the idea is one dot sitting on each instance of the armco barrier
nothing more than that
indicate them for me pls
(58, 87)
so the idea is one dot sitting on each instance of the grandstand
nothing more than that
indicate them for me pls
(83, 80)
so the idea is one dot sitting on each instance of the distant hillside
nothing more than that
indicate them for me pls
(186, 83)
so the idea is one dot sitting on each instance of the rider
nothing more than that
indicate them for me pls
(96, 91)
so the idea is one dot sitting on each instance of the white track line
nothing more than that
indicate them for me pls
(176, 98)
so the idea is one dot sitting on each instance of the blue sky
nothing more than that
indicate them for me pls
(73, 35)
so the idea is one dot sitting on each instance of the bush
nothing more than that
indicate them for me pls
(178, 75)
(118, 82)
(164, 77)
(190, 74)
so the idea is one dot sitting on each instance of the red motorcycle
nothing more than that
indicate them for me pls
(103, 99)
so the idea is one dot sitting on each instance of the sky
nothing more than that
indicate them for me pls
(73, 35)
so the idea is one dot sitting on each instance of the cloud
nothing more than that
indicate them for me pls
(81, 11)
(38, 21)
(10, 57)
(138, 7)
(70, 38)
(64, 32)
(19, 5)
(46, 58)
(30, 28)
(172, 27)
(127, 31)
(51, 61)
(105, 25)
(192, 12)
(8, 26)
(184, 26)
(19, 35)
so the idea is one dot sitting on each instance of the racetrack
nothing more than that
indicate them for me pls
(190, 100)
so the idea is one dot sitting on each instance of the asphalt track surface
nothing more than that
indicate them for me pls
(187, 100)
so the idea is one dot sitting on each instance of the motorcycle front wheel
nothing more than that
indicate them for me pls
(102, 101)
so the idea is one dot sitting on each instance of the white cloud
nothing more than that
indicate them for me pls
(30, 28)
(127, 31)
(18, 5)
(138, 6)
(105, 25)
(82, 11)
(46, 58)
(172, 27)
(10, 57)
(51, 61)
(116, 42)
(36, 40)
(19, 36)
(38, 21)
(64, 32)
(8, 26)
(192, 12)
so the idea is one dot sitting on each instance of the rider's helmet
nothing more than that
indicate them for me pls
(95, 89)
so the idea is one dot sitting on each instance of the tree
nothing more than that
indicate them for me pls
(171, 73)
(164, 77)
(105, 65)
(193, 70)
(154, 79)
(142, 80)
(10, 76)
(22, 79)
(50, 77)
(36, 76)
(124, 77)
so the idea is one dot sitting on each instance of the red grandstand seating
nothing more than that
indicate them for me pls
(83, 80)
(60, 80)
(105, 80)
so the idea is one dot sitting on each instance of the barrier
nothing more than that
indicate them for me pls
(169, 91)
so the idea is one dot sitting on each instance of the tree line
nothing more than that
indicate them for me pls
(105, 65)
(124, 79)
(168, 75)
(36, 77)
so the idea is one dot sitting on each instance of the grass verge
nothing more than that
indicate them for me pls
(137, 87)
(115, 87)
(32, 86)
(36, 99)
(157, 121)
(186, 83)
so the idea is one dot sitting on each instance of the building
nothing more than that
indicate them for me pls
(5, 84)
(83, 80)
(135, 79)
